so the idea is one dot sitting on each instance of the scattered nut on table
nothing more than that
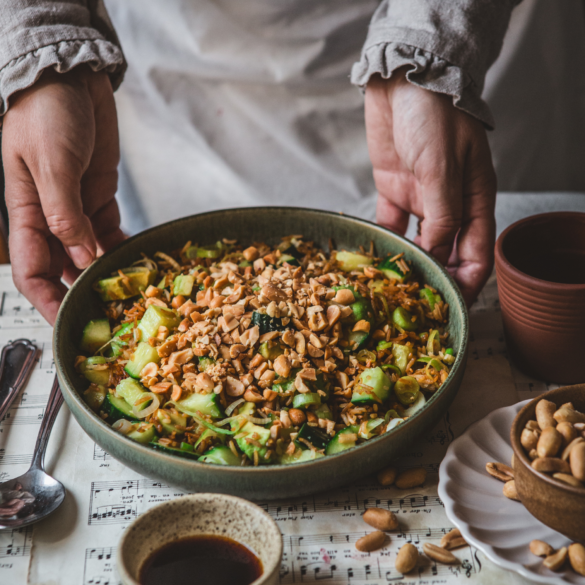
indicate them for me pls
(510, 490)
(370, 542)
(439, 554)
(541, 548)
(555, 561)
(406, 559)
(387, 476)
(577, 558)
(381, 519)
(500, 471)
(453, 540)
(410, 478)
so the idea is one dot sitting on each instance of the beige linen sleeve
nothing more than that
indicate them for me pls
(447, 46)
(37, 34)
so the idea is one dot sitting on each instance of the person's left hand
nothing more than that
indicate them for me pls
(433, 160)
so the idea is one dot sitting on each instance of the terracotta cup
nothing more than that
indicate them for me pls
(540, 267)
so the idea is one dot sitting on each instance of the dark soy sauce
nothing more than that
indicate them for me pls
(201, 560)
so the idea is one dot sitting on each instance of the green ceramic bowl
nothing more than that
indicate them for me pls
(267, 224)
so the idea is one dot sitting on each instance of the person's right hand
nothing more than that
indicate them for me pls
(60, 151)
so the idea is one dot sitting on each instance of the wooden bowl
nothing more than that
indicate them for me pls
(558, 505)
(248, 225)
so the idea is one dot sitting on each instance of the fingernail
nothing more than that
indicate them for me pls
(81, 256)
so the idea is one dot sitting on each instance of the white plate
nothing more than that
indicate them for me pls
(501, 528)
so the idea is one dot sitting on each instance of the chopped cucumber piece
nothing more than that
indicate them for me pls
(143, 355)
(136, 279)
(171, 421)
(403, 319)
(372, 428)
(323, 411)
(392, 270)
(401, 355)
(155, 317)
(300, 456)
(220, 455)
(205, 363)
(416, 405)
(287, 385)
(183, 285)
(213, 251)
(208, 404)
(449, 351)
(118, 344)
(314, 436)
(362, 310)
(266, 323)
(254, 439)
(407, 390)
(100, 375)
(270, 350)
(117, 408)
(95, 396)
(349, 261)
(379, 383)
(95, 335)
(144, 434)
(209, 434)
(131, 390)
(357, 339)
(336, 446)
(307, 399)
(428, 295)
(173, 450)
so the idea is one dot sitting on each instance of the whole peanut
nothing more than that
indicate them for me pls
(566, 413)
(577, 558)
(541, 548)
(577, 461)
(381, 519)
(406, 559)
(510, 490)
(529, 439)
(370, 542)
(453, 539)
(567, 450)
(555, 561)
(297, 416)
(532, 425)
(439, 554)
(568, 432)
(387, 476)
(549, 442)
(568, 479)
(545, 410)
(500, 471)
(411, 478)
(551, 465)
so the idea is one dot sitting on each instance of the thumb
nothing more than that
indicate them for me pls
(59, 189)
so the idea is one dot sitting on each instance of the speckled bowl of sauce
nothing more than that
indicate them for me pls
(210, 539)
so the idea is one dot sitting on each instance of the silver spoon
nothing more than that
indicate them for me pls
(34, 495)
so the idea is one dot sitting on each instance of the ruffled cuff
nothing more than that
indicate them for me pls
(25, 70)
(426, 70)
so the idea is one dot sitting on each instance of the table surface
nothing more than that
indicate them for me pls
(77, 545)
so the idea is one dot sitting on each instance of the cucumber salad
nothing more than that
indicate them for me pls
(261, 355)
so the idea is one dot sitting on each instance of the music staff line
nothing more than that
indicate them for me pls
(120, 512)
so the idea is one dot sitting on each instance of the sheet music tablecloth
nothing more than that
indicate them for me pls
(76, 546)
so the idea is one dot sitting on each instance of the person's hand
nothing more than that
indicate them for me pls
(60, 151)
(433, 160)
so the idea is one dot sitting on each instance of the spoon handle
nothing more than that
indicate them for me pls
(51, 411)
(16, 363)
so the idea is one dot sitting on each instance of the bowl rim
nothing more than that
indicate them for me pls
(502, 263)
(520, 454)
(193, 499)
(70, 393)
